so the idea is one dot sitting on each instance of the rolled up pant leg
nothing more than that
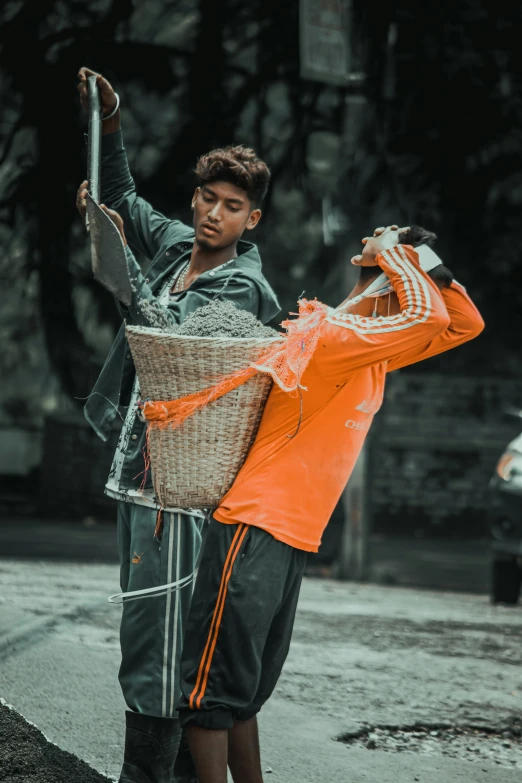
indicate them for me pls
(151, 630)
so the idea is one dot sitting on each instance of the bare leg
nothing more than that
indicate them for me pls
(209, 751)
(244, 758)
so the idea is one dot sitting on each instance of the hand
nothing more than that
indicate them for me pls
(383, 239)
(81, 198)
(81, 206)
(117, 220)
(107, 94)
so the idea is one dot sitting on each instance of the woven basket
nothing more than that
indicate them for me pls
(195, 464)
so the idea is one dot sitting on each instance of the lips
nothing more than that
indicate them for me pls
(210, 228)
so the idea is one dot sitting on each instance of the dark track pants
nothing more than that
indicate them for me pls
(239, 626)
(152, 629)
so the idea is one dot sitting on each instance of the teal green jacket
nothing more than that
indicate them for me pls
(168, 244)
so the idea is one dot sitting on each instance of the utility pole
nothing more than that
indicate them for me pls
(354, 557)
(326, 56)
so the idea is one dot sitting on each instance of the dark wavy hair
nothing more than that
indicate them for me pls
(238, 165)
(416, 235)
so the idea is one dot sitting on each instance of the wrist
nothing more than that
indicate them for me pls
(112, 125)
(375, 246)
(379, 259)
(392, 251)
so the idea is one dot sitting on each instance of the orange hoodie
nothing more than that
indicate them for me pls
(308, 442)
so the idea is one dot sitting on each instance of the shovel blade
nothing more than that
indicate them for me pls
(109, 264)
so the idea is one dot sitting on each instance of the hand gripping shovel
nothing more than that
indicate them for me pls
(109, 265)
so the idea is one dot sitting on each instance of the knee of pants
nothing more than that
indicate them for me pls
(219, 718)
(249, 713)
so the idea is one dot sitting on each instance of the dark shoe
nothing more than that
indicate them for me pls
(151, 746)
(184, 769)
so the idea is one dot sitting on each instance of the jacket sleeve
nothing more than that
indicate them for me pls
(465, 324)
(350, 342)
(146, 310)
(145, 228)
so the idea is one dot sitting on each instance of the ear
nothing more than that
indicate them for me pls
(253, 219)
(194, 197)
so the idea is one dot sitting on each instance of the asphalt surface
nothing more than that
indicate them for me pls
(26, 756)
(382, 683)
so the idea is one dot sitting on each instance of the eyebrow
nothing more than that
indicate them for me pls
(231, 200)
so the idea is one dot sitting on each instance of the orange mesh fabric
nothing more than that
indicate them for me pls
(286, 365)
(172, 413)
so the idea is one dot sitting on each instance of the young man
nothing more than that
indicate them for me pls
(190, 267)
(246, 593)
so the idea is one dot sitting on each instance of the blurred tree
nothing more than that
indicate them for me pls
(433, 137)
(192, 75)
(443, 142)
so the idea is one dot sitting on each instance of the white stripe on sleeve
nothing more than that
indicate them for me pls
(418, 299)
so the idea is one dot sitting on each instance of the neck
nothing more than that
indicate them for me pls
(202, 260)
(367, 274)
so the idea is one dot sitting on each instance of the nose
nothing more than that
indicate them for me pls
(215, 213)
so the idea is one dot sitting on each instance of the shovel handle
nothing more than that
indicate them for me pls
(94, 140)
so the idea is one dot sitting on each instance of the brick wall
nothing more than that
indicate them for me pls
(432, 452)
(74, 469)
(433, 448)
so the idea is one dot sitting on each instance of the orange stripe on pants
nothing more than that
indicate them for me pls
(211, 654)
(232, 553)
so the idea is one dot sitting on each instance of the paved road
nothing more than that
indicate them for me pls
(418, 685)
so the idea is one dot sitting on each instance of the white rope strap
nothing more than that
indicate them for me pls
(153, 592)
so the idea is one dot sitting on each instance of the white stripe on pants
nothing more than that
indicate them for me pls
(151, 630)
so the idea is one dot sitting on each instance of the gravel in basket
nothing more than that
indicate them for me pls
(195, 464)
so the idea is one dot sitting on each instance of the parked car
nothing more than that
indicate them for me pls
(506, 523)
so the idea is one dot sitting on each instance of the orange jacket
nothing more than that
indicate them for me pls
(294, 475)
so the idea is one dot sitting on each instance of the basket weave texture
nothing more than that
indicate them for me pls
(194, 465)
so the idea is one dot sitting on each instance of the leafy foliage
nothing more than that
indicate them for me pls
(432, 137)
(445, 104)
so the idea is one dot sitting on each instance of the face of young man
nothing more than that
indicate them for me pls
(222, 212)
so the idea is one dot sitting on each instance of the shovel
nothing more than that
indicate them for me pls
(93, 142)
(109, 265)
